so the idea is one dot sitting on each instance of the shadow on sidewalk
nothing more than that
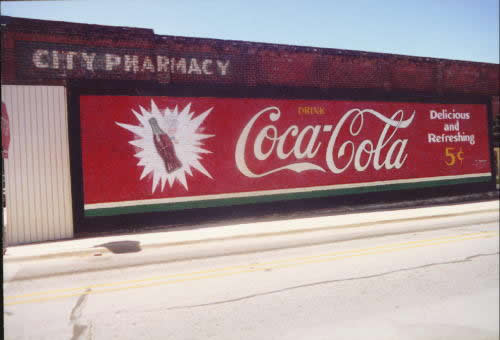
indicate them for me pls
(121, 247)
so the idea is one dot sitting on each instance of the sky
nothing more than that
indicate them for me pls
(449, 29)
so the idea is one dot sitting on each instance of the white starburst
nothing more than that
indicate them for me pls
(185, 132)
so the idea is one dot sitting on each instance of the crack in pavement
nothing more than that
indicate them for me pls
(467, 259)
(79, 329)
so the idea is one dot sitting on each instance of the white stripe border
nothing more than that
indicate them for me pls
(273, 192)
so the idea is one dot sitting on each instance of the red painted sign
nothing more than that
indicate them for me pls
(143, 153)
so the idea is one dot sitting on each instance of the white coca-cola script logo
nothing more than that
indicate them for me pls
(306, 144)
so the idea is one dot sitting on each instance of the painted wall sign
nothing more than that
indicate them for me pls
(143, 153)
(62, 60)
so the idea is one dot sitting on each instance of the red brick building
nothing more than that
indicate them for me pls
(38, 57)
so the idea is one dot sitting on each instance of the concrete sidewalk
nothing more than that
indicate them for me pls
(345, 226)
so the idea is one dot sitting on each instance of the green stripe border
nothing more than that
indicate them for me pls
(271, 198)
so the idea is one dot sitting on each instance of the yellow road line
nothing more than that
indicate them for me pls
(234, 273)
(227, 271)
(162, 277)
(258, 264)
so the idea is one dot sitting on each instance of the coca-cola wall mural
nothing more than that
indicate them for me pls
(159, 153)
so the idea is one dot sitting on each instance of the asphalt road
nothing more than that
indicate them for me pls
(439, 284)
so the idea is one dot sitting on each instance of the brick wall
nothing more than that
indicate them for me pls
(495, 107)
(48, 52)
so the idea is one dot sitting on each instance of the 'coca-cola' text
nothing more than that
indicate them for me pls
(339, 155)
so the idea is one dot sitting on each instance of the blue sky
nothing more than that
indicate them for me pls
(450, 29)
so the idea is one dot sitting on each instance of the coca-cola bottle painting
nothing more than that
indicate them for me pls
(164, 147)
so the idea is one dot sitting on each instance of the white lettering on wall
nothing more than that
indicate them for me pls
(194, 67)
(89, 60)
(205, 66)
(37, 58)
(162, 63)
(306, 145)
(366, 147)
(112, 60)
(55, 60)
(222, 67)
(274, 115)
(69, 59)
(181, 66)
(148, 65)
(73, 60)
(130, 63)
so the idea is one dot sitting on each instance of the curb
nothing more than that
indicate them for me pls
(234, 235)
